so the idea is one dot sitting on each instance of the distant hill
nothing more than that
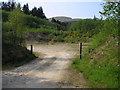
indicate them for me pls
(65, 19)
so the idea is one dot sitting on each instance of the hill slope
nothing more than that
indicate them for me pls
(99, 62)
(65, 19)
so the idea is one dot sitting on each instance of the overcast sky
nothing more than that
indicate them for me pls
(69, 8)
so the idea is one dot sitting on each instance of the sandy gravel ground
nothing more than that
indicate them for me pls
(44, 72)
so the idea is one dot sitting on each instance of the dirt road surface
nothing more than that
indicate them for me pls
(44, 72)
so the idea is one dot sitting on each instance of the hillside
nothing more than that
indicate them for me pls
(65, 19)
(99, 62)
(14, 33)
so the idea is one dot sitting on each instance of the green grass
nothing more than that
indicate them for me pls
(102, 70)
(101, 67)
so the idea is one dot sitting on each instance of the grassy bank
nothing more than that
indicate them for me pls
(14, 56)
(100, 67)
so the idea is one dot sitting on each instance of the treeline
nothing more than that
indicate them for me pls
(61, 25)
(35, 21)
(10, 6)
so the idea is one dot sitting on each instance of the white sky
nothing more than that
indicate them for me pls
(55, 0)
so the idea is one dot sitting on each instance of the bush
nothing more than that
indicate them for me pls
(5, 15)
(83, 30)
(35, 22)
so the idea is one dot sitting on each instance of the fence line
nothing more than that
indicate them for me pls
(31, 49)
(81, 47)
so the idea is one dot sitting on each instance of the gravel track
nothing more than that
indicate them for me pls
(43, 72)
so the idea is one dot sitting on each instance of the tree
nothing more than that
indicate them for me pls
(18, 6)
(13, 5)
(8, 6)
(26, 9)
(4, 6)
(38, 12)
(16, 20)
(95, 18)
(111, 9)
(53, 20)
(34, 11)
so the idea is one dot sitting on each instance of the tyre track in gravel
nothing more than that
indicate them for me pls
(43, 72)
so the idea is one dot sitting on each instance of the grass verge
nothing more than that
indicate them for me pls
(100, 67)
(14, 56)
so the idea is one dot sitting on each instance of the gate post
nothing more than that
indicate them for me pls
(80, 45)
(89, 50)
(31, 49)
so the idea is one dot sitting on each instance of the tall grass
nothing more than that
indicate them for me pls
(101, 67)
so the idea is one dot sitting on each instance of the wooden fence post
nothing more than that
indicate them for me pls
(89, 50)
(31, 49)
(80, 44)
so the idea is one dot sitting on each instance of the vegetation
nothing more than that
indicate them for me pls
(60, 25)
(10, 6)
(55, 30)
(13, 51)
(21, 25)
(101, 67)
(15, 55)
(84, 29)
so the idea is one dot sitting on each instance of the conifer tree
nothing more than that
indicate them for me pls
(26, 9)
